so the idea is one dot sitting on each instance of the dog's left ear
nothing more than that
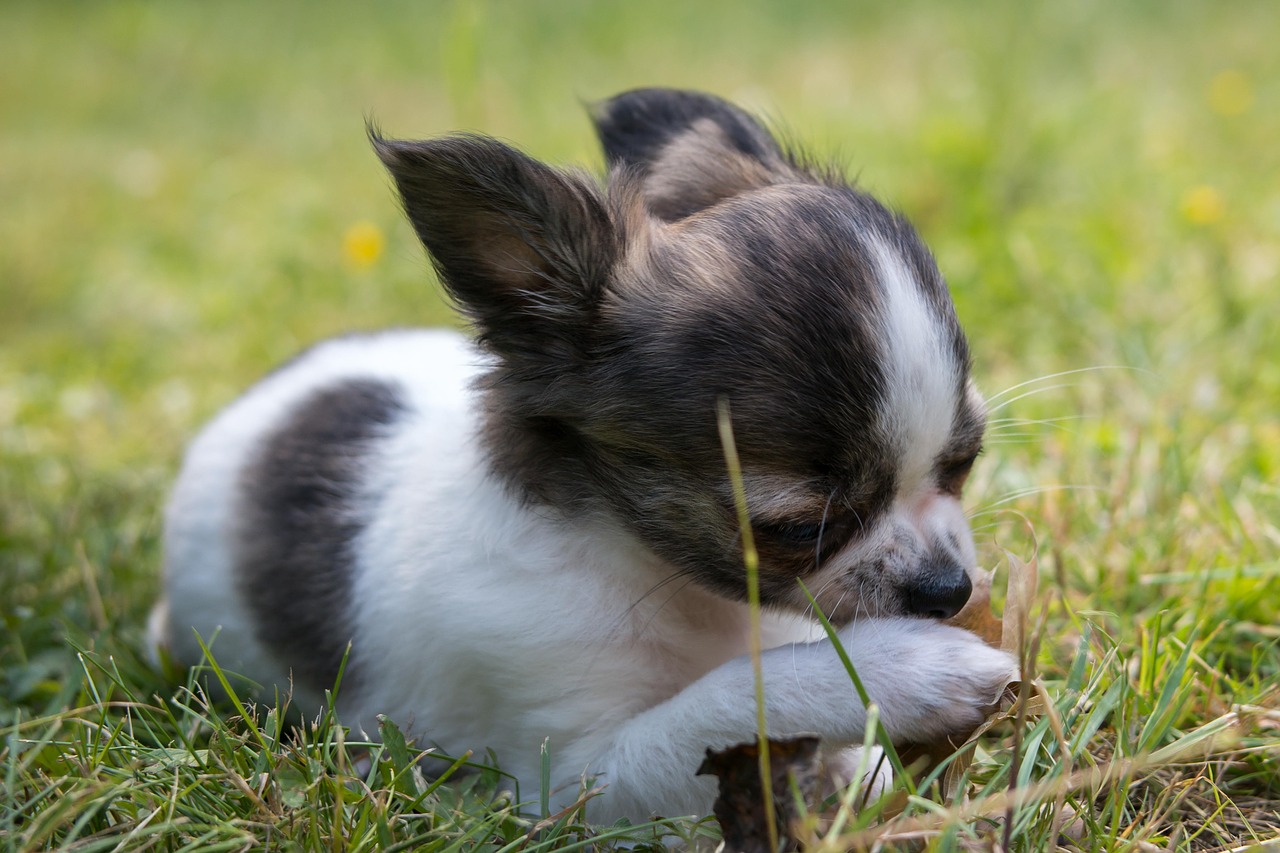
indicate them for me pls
(690, 149)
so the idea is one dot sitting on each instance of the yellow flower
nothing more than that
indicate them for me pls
(1203, 205)
(1230, 93)
(363, 244)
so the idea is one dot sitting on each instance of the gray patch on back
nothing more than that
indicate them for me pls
(302, 514)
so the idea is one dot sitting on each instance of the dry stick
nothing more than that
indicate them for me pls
(1025, 689)
(1016, 638)
(751, 561)
(1064, 750)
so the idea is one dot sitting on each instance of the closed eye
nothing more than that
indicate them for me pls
(796, 534)
(952, 474)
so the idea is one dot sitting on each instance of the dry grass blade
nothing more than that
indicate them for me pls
(1218, 736)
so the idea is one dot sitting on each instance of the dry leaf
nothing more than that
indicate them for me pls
(1020, 598)
(976, 616)
(793, 766)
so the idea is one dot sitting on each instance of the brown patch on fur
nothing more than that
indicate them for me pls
(700, 167)
(780, 497)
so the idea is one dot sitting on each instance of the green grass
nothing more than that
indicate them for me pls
(1097, 180)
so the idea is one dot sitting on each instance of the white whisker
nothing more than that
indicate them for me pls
(997, 426)
(1034, 391)
(999, 395)
(1034, 490)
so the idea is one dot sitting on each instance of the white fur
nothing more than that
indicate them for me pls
(921, 406)
(484, 623)
(922, 371)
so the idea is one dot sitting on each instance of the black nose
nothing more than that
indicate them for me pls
(940, 597)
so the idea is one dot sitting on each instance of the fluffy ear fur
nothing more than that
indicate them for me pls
(524, 249)
(690, 149)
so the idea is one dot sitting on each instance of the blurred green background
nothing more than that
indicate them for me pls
(187, 197)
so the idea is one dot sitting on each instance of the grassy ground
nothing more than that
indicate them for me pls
(186, 197)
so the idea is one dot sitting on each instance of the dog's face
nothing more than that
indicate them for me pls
(716, 269)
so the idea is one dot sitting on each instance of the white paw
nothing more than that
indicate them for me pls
(930, 680)
(868, 768)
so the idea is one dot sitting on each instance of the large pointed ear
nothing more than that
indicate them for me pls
(525, 250)
(691, 149)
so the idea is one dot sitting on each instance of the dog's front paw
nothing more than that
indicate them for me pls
(937, 682)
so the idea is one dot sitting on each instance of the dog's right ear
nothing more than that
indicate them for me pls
(690, 149)
(525, 250)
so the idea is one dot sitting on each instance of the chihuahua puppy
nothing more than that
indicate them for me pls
(531, 536)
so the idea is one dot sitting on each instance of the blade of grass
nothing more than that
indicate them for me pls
(232, 696)
(751, 560)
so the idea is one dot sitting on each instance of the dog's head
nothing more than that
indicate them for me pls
(715, 267)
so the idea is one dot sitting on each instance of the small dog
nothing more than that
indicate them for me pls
(533, 536)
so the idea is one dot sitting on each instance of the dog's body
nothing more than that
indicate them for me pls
(535, 538)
